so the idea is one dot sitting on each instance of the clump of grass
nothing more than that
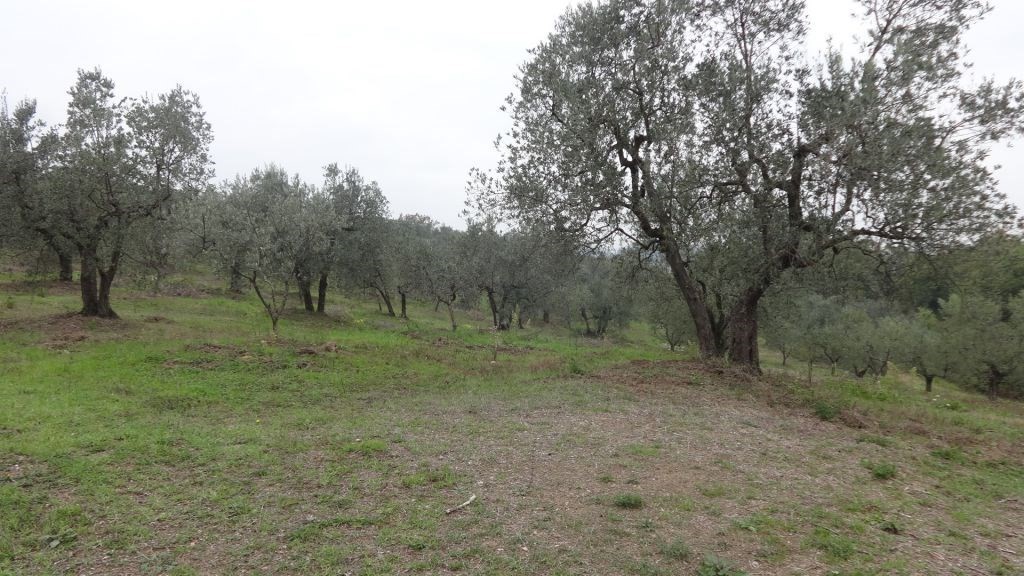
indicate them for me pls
(827, 410)
(835, 546)
(643, 449)
(575, 368)
(876, 440)
(881, 470)
(713, 491)
(951, 454)
(676, 550)
(440, 477)
(954, 406)
(365, 447)
(715, 566)
(629, 500)
(890, 527)
(645, 569)
(9, 303)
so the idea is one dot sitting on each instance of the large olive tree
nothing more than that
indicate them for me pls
(115, 164)
(702, 130)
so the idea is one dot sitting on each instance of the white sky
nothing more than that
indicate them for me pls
(406, 91)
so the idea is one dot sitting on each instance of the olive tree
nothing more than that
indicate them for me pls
(369, 259)
(658, 294)
(28, 153)
(516, 270)
(988, 340)
(604, 293)
(346, 212)
(702, 130)
(927, 347)
(256, 236)
(115, 164)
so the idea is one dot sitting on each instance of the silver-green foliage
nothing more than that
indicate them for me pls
(115, 165)
(702, 130)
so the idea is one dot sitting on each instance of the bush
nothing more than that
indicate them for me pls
(826, 410)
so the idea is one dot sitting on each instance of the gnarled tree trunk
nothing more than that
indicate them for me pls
(386, 297)
(87, 279)
(96, 282)
(742, 325)
(709, 340)
(321, 294)
(103, 301)
(67, 263)
(305, 294)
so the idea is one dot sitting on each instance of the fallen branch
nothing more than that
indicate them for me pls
(461, 506)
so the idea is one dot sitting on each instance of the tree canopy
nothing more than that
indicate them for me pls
(703, 131)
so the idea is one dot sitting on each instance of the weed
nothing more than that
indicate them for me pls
(675, 550)
(629, 501)
(643, 449)
(882, 441)
(954, 406)
(575, 367)
(827, 410)
(881, 470)
(835, 546)
(365, 447)
(713, 491)
(714, 566)
(890, 527)
(645, 569)
(439, 477)
(951, 454)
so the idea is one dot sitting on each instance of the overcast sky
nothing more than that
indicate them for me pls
(408, 92)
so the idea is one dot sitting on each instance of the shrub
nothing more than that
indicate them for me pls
(827, 411)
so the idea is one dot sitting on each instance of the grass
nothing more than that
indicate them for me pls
(183, 439)
(676, 550)
(881, 470)
(714, 566)
(629, 501)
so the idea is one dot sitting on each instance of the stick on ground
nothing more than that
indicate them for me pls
(461, 506)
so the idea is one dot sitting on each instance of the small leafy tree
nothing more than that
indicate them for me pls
(604, 294)
(927, 346)
(989, 341)
(256, 236)
(659, 301)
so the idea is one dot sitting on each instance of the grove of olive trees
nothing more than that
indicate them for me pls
(682, 164)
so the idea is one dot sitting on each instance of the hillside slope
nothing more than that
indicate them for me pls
(181, 440)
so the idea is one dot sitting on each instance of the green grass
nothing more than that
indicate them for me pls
(881, 470)
(676, 550)
(184, 439)
(629, 501)
(714, 566)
